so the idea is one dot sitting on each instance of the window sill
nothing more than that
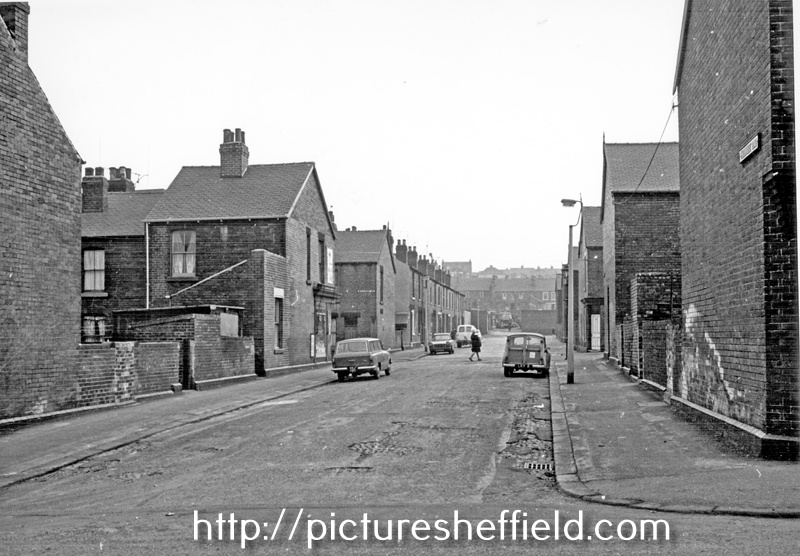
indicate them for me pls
(279, 351)
(182, 279)
(94, 294)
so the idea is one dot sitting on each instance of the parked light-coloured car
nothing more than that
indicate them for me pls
(361, 355)
(441, 341)
(464, 334)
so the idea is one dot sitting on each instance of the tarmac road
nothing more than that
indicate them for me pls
(439, 435)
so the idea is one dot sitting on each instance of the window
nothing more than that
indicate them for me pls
(279, 323)
(381, 284)
(183, 253)
(308, 254)
(94, 270)
(321, 260)
(545, 296)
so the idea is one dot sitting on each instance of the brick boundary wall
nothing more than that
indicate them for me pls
(654, 351)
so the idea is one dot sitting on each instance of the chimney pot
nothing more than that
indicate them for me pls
(89, 171)
(100, 171)
(238, 136)
(128, 173)
(112, 173)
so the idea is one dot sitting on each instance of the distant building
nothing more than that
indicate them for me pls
(589, 326)
(639, 217)
(365, 273)
(434, 304)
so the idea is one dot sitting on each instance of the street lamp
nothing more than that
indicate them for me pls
(571, 296)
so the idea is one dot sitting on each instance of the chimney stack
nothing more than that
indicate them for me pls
(119, 180)
(401, 252)
(15, 16)
(94, 187)
(234, 154)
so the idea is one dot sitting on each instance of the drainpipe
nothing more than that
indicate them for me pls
(147, 265)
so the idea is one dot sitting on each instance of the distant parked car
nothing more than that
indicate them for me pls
(464, 334)
(361, 355)
(526, 351)
(441, 341)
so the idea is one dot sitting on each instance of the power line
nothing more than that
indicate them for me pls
(646, 170)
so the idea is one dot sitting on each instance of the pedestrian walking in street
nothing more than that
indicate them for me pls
(476, 345)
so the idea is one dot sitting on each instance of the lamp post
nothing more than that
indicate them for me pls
(571, 296)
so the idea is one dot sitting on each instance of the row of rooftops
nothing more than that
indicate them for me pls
(271, 190)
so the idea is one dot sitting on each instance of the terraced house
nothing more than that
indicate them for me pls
(256, 238)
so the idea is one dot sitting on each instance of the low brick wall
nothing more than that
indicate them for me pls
(654, 351)
(157, 366)
(213, 356)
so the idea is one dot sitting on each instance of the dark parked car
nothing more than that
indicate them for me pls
(526, 351)
(441, 341)
(361, 355)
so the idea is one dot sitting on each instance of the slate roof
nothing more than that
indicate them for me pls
(124, 216)
(592, 229)
(199, 193)
(363, 246)
(626, 163)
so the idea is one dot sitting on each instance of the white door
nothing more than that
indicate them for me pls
(595, 332)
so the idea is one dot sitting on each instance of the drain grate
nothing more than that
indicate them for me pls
(538, 466)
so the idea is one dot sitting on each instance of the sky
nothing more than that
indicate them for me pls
(460, 124)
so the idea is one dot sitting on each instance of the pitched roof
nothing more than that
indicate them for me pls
(627, 167)
(265, 191)
(592, 229)
(363, 246)
(124, 216)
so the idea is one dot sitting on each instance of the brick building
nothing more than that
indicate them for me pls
(113, 251)
(366, 275)
(639, 217)
(589, 325)
(433, 303)
(40, 235)
(257, 237)
(735, 83)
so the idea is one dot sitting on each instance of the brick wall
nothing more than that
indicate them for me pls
(310, 212)
(39, 235)
(204, 353)
(267, 273)
(214, 356)
(219, 246)
(358, 288)
(674, 335)
(541, 322)
(738, 227)
(654, 351)
(125, 276)
(157, 366)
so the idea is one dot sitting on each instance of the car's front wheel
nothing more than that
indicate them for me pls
(507, 372)
(376, 374)
(341, 376)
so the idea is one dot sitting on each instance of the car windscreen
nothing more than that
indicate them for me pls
(352, 347)
(438, 337)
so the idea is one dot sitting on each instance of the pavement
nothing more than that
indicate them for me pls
(617, 442)
(614, 441)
